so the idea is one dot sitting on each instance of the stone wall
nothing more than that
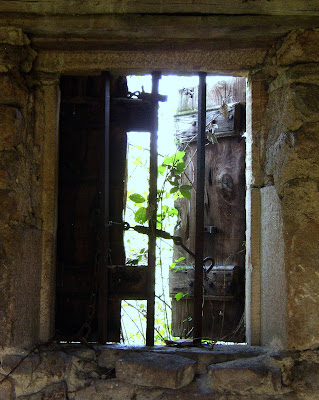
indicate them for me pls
(283, 227)
(288, 176)
(20, 223)
(75, 372)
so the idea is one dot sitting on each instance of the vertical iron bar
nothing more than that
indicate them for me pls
(152, 222)
(199, 229)
(104, 232)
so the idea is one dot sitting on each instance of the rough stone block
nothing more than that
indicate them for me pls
(6, 389)
(12, 124)
(56, 391)
(300, 205)
(35, 372)
(13, 90)
(306, 374)
(242, 376)
(159, 370)
(13, 36)
(109, 356)
(300, 46)
(8, 206)
(293, 155)
(81, 373)
(306, 100)
(9, 166)
(110, 389)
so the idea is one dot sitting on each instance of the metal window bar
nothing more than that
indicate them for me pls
(153, 208)
(152, 203)
(103, 246)
(199, 241)
(199, 220)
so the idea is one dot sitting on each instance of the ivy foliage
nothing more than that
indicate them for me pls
(172, 168)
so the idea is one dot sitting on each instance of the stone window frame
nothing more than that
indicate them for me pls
(52, 64)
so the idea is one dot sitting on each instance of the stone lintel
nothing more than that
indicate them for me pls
(169, 62)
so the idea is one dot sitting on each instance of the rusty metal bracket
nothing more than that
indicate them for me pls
(149, 97)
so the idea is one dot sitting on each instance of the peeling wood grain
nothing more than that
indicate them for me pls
(117, 31)
(262, 7)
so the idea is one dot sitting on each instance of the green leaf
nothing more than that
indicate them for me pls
(174, 183)
(181, 268)
(179, 296)
(174, 190)
(137, 198)
(186, 187)
(140, 215)
(168, 160)
(161, 169)
(173, 212)
(180, 167)
(185, 193)
(180, 259)
(137, 161)
(179, 155)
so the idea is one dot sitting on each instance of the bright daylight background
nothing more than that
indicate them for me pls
(134, 311)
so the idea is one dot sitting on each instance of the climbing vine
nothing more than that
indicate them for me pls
(170, 188)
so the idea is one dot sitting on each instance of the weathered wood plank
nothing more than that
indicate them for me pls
(225, 212)
(80, 156)
(225, 207)
(95, 31)
(220, 283)
(220, 319)
(262, 7)
(234, 125)
(224, 202)
(128, 282)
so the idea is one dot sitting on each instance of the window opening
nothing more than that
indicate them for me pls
(97, 276)
(172, 140)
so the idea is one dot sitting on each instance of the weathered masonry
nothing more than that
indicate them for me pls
(272, 43)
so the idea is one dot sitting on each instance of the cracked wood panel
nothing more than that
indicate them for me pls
(156, 26)
(224, 203)
(262, 7)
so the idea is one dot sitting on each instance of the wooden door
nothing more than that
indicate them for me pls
(224, 238)
(92, 278)
(81, 203)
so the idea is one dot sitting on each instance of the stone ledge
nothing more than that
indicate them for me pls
(153, 369)
(110, 354)
(260, 374)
